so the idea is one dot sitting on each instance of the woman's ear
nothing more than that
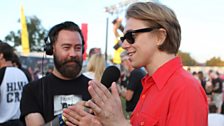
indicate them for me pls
(161, 36)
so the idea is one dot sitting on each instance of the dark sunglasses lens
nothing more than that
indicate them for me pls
(122, 39)
(130, 38)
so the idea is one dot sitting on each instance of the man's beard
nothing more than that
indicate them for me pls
(68, 70)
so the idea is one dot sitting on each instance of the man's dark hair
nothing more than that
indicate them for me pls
(6, 50)
(68, 25)
(16, 60)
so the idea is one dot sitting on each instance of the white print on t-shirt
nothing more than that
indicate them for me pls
(63, 101)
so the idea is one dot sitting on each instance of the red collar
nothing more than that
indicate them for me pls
(163, 73)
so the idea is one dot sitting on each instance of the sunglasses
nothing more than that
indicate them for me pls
(129, 36)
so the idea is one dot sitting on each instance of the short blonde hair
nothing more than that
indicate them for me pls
(96, 65)
(162, 16)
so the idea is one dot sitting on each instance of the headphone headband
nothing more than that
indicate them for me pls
(53, 33)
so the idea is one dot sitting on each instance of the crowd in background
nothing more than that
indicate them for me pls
(213, 84)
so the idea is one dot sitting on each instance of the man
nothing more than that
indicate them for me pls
(43, 100)
(134, 85)
(171, 96)
(12, 81)
(217, 92)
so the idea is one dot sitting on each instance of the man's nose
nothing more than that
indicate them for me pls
(73, 52)
(125, 44)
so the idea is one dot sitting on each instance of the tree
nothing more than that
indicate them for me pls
(36, 34)
(187, 59)
(215, 61)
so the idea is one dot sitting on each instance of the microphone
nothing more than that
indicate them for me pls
(110, 75)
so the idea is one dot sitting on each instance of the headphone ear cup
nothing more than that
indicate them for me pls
(83, 49)
(48, 46)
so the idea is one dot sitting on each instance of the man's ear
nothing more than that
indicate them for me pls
(53, 48)
(161, 36)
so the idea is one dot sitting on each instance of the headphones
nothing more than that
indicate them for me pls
(49, 40)
(48, 48)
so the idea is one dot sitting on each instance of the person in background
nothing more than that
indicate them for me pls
(195, 75)
(216, 89)
(117, 30)
(171, 96)
(92, 51)
(210, 99)
(134, 86)
(44, 99)
(214, 118)
(12, 80)
(202, 79)
(222, 108)
(50, 69)
(16, 63)
(95, 67)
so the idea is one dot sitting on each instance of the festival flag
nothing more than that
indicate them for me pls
(24, 33)
(84, 28)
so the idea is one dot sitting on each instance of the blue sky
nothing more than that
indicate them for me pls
(202, 21)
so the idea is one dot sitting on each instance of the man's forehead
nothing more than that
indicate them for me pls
(71, 37)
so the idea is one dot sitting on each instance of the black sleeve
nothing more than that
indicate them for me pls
(2, 71)
(27, 73)
(30, 101)
(135, 79)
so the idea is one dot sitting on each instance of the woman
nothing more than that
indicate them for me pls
(95, 67)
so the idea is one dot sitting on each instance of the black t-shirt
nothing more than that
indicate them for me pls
(217, 82)
(134, 84)
(49, 95)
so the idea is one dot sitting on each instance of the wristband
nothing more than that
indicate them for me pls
(61, 120)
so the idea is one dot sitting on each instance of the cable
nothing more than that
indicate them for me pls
(42, 64)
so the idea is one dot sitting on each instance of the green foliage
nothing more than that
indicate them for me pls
(187, 59)
(35, 31)
(215, 61)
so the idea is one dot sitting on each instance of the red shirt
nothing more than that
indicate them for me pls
(171, 97)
